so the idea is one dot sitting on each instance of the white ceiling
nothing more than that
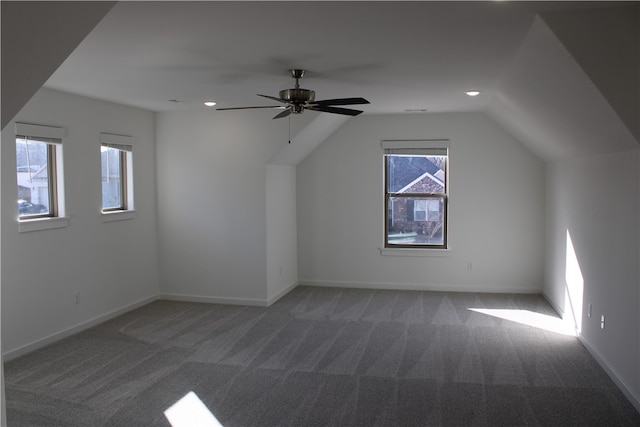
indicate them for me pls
(398, 55)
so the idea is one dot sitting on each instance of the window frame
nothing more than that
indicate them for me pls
(122, 143)
(122, 159)
(419, 148)
(53, 138)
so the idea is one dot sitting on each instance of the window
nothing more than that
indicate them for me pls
(117, 177)
(416, 194)
(39, 171)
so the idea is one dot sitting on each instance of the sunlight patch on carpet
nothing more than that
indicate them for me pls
(190, 411)
(530, 318)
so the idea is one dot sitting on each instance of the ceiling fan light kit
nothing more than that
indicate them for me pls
(298, 99)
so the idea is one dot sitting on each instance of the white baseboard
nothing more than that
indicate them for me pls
(281, 293)
(553, 305)
(215, 300)
(12, 354)
(15, 353)
(635, 400)
(231, 301)
(419, 287)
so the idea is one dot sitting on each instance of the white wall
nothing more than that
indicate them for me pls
(212, 203)
(113, 265)
(496, 208)
(595, 200)
(282, 249)
(3, 416)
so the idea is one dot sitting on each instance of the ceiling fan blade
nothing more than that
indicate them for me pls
(284, 113)
(274, 98)
(341, 101)
(251, 108)
(334, 110)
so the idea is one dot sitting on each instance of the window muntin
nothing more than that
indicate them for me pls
(116, 174)
(36, 159)
(416, 198)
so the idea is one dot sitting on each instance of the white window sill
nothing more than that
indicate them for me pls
(37, 224)
(118, 216)
(422, 252)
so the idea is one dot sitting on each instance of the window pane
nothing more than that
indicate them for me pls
(415, 173)
(416, 221)
(32, 159)
(111, 178)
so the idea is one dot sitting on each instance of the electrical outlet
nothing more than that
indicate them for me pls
(77, 297)
(469, 265)
(602, 322)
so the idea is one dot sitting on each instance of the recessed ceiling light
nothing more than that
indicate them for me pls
(209, 103)
(473, 93)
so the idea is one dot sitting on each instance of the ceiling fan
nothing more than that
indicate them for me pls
(297, 100)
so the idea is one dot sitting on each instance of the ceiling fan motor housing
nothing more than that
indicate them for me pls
(297, 96)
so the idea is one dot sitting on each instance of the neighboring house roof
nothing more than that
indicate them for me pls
(37, 178)
(408, 170)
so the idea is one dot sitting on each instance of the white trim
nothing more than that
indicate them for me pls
(390, 144)
(111, 216)
(419, 287)
(37, 224)
(130, 191)
(272, 299)
(60, 184)
(553, 305)
(12, 354)
(633, 399)
(27, 129)
(215, 300)
(119, 140)
(414, 252)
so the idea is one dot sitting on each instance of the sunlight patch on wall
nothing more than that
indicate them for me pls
(530, 318)
(190, 411)
(574, 290)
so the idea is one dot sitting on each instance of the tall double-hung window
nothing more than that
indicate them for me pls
(39, 171)
(117, 172)
(416, 194)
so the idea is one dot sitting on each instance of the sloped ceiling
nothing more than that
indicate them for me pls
(549, 102)
(399, 55)
(606, 45)
(36, 38)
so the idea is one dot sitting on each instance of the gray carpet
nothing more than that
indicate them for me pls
(320, 357)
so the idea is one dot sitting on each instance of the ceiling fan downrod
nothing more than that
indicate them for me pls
(297, 96)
